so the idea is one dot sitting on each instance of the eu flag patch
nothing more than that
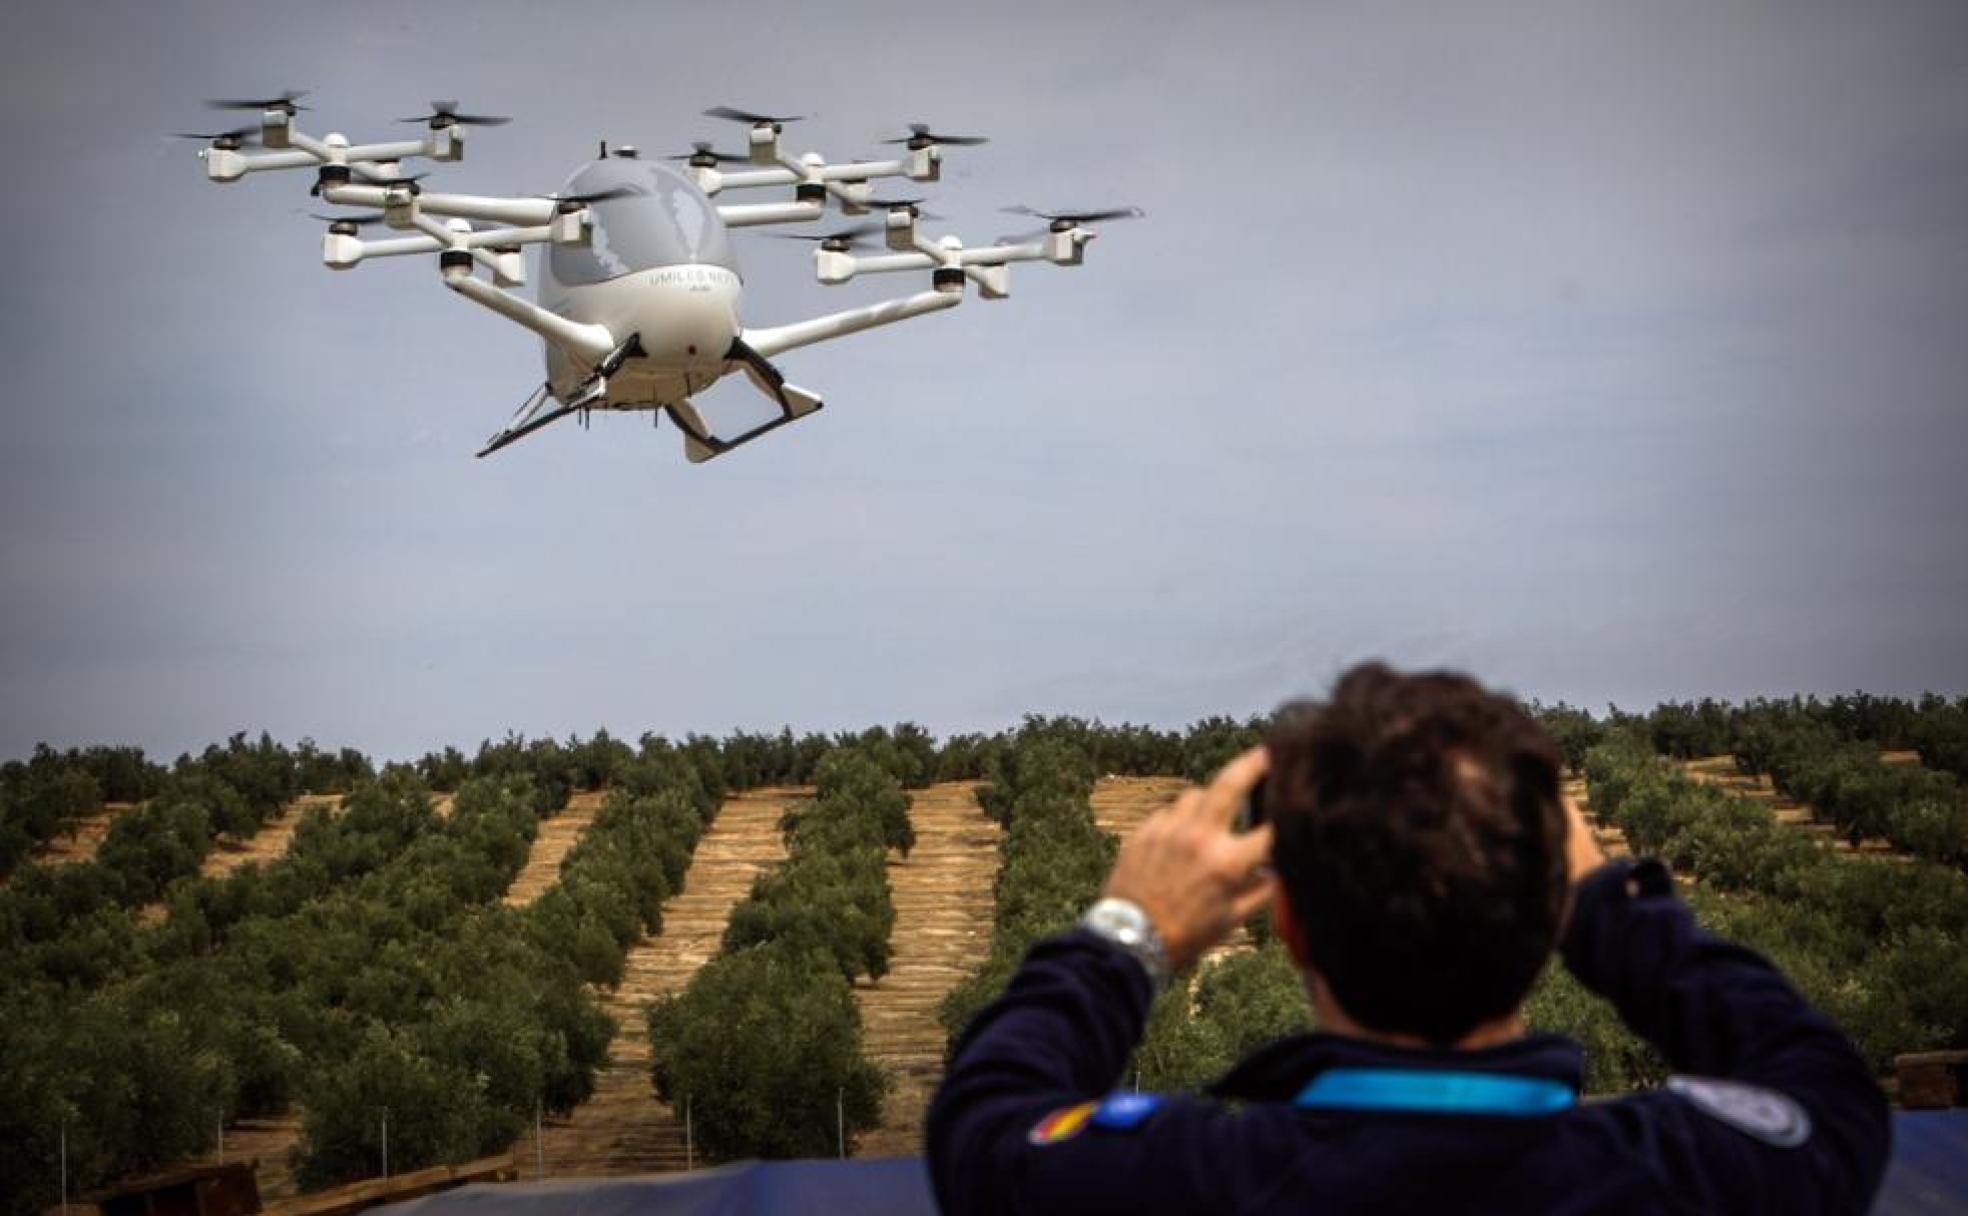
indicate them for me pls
(1123, 1112)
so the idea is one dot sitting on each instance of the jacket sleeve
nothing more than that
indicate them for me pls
(1720, 1010)
(1057, 1040)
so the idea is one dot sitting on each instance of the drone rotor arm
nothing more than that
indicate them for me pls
(356, 154)
(585, 342)
(777, 339)
(229, 165)
(751, 215)
(745, 179)
(790, 172)
(339, 252)
(515, 211)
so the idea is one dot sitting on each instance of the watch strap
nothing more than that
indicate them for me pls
(1124, 923)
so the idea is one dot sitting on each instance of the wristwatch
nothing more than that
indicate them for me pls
(1122, 922)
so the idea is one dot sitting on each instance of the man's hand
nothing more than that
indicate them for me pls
(1194, 877)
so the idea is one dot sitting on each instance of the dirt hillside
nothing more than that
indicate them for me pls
(550, 847)
(1121, 803)
(942, 929)
(82, 843)
(269, 843)
(1721, 771)
(623, 1129)
(1610, 838)
(1119, 806)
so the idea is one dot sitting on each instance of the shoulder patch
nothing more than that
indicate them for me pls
(1126, 1110)
(1062, 1124)
(1763, 1114)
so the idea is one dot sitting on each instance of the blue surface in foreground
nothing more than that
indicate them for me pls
(1929, 1170)
(1929, 1174)
(882, 1186)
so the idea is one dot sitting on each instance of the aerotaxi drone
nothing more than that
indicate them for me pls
(639, 290)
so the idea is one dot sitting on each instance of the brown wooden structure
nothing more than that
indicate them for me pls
(374, 1192)
(197, 1190)
(230, 1190)
(1932, 1080)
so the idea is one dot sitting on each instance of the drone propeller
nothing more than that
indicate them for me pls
(445, 114)
(592, 196)
(285, 102)
(406, 179)
(1077, 217)
(919, 132)
(751, 119)
(353, 221)
(853, 237)
(702, 153)
(909, 203)
(223, 139)
(347, 225)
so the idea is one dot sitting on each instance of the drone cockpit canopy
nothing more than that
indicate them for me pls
(645, 214)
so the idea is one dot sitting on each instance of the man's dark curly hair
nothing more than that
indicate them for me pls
(1420, 839)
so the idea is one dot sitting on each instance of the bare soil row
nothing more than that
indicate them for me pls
(1721, 771)
(1610, 838)
(266, 1141)
(943, 898)
(81, 843)
(1121, 804)
(551, 846)
(624, 1128)
(943, 901)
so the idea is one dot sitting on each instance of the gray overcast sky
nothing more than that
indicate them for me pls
(1616, 352)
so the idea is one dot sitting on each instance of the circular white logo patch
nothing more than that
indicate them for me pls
(1774, 1118)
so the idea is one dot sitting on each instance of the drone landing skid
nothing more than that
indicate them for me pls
(794, 404)
(535, 413)
(531, 417)
(700, 445)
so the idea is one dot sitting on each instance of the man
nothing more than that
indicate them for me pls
(1423, 865)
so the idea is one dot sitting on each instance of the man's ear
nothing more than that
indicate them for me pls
(1285, 924)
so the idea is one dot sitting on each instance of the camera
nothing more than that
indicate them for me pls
(1252, 813)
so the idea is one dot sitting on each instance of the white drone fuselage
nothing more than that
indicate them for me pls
(658, 265)
(687, 314)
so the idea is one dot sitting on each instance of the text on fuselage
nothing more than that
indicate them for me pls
(693, 278)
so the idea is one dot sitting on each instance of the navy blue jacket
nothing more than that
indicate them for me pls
(1779, 1113)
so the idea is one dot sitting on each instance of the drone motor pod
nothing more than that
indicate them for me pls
(569, 227)
(833, 267)
(993, 282)
(901, 232)
(224, 164)
(341, 250)
(1067, 246)
(276, 128)
(765, 144)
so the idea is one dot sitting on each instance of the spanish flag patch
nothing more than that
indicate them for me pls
(1062, 1124)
